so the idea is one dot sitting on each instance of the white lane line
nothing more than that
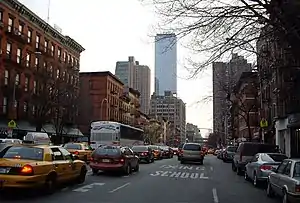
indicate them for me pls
(215, 195)
(118, 188)
(211, 168)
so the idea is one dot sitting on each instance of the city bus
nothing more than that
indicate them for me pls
(109, 132)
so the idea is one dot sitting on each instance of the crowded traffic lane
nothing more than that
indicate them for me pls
(164, 181)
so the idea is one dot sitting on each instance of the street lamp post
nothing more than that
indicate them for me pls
(101, 106)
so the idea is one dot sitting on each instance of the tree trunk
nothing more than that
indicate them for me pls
(249, 127)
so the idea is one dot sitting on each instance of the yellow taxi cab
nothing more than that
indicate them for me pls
(38, 165)
(157, 153)
(81, 149)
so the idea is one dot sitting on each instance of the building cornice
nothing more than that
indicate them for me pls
(23, 11)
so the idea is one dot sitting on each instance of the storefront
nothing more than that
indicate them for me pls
(294, 126)
(282, 136)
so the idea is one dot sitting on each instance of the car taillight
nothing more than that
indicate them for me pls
(297, 188)
(76, 152)
(265, 167)
(145, 153)
(122, 161)
(27, 170)
(92, 159)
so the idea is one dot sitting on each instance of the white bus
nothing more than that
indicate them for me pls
(109, 132)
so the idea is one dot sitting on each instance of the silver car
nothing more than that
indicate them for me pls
(192, 152)
(261, 165)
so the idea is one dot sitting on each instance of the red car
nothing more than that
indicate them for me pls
(114, 158)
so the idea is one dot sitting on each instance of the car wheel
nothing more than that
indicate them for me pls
(95, 171)
(246, 177)
(50, 184)
(270, 192)
(233, 167)
(127, 170)
(82, 175)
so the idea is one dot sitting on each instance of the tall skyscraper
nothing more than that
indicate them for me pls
(138, 77)
(165, 63)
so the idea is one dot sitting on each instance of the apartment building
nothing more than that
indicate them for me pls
(34, 56)
(138, 77)
(172, 109)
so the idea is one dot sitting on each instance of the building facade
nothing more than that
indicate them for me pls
(225, 77)
(138, 77)
(103, 97)
(36, 63)
(192, 132)
(165, 63)
(173, 110)
(245, 105)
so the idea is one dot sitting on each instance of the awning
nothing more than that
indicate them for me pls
(49, 128)
(73, 132)
(26, 126)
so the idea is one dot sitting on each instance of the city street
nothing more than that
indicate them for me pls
(165, 181)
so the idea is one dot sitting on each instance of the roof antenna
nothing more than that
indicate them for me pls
(48, 15)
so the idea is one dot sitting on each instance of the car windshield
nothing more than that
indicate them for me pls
(139, 148)
(192, 147)
(153, 147)
(231, 149)
(73, 146)
(108, 150)
(32, 153)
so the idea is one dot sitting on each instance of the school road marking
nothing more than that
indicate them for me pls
(176, 174)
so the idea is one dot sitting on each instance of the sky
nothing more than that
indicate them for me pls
(110, 31)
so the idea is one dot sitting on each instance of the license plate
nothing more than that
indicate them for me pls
(105, 160)
(2, 170)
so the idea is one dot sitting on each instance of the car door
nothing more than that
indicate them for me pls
(274, 180)
(60, 165)
(285, 177)
(73, 169)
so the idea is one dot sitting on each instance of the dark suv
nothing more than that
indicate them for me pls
(144, 153)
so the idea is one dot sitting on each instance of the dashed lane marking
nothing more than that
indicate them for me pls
(215, 195)
(118, 188)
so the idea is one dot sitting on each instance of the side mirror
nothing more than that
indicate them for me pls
(75, 157)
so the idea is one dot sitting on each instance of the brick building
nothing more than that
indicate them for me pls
(103, 97)
(33, 56)
(245, 106)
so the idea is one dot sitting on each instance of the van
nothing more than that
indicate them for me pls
(246, 151)
(37, 138)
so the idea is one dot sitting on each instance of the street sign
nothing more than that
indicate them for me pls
(263, 123)
(12, 124)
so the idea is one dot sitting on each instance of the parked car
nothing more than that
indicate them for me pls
(285, 181)
(167, 152)
(144, 153)
(114, 158)
(228, 153)
(246, 151)
(261, 165)
(192, 152)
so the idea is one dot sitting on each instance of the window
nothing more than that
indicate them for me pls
(52, 50)
(57, 73)
(21, 29)
(4, 108)
(64, 56)
(6, 77)
(25, 107)
(1, 16)
(26, 84)
(19, 55)
(59, 52)
(37, 41)
(73, 146)
(21, 152)
(28, 59)
(10, 24)
(282, 166)
(46, 46)
(37, 62)
(45, 65)
(29, 33)
(34, 87)
(287, 170)
(8, 49)
(17, 79)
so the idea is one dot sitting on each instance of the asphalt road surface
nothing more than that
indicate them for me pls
(165, 181)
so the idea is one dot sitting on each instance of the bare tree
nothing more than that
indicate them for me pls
(216, 27)
(153, 132)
